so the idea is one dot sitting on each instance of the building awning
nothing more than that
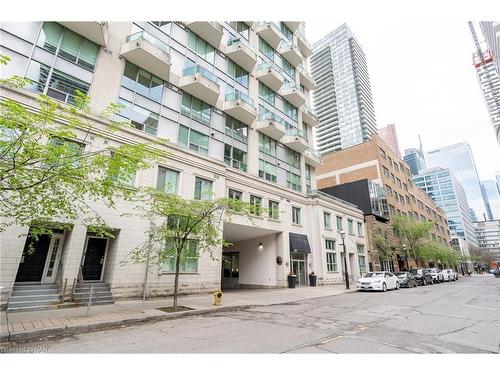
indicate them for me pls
(299, 243)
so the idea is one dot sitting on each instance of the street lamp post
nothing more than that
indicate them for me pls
(346, 274)
(406, 257)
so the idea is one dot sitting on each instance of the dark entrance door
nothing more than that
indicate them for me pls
(33, 261)
(94, 258)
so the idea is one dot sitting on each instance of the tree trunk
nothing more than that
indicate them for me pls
(176, 281)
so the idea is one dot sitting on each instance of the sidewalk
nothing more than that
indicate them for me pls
(17, 326)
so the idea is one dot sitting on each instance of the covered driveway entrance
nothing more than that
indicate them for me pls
(250, 262)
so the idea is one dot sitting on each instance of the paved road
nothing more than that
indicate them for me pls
(455, 317)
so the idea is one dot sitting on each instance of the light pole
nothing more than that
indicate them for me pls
(406, 257)
(346, 274)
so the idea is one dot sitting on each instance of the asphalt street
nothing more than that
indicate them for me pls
(455, 317)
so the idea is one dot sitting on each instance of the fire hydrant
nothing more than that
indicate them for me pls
(217, 297)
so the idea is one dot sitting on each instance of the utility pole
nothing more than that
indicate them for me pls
(346, 273)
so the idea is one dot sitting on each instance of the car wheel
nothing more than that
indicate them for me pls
(384, 287)
(424, 283)
(432, 281)
(397, 286)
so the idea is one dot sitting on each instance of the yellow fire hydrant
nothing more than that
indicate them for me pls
(217, 297)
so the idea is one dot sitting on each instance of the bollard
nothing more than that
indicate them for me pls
(90, 300)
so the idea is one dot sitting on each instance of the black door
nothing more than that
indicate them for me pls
(94, 258)
(33, 261)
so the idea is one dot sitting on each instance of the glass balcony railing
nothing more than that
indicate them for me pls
(201, 70)
(268, 65)
(235, 164)
(287, 44)
(308, 110)
(314, 152)
(292, 85)
(241, 96)
(305, 73)
(295, 132)
(272, 117)
(151, 39)
(241, 40)
(271, 23)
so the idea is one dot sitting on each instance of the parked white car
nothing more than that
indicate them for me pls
(382, 280)
(437, 274)
(452, 275)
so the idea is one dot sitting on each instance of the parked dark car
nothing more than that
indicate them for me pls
(406, 279)
(422, 276)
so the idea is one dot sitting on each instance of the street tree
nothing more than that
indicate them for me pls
(182, 230)
(413, 233)
(383, 244)
(48, 178)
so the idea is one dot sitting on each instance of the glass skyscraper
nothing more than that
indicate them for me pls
(491, 195)
(442, 186)
(342, 98)
(415, 160)
(459, 159)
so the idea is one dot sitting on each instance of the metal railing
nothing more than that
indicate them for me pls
(202, 71)
(235, 164)
(241, 96)
(151, 39)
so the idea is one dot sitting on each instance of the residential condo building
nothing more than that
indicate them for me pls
(342, 98)
(390, 137)
(232, 101)
(488, 235)
(391, 192)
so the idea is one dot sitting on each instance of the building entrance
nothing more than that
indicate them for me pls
(299, 267)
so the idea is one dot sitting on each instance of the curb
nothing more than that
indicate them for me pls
(45, 333)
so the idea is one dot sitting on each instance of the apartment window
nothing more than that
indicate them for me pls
(390, 161)
(239, 74)
(405, 187)
(235, 157)
(350, 227)
(200, 47)
(58, 85)
(142, 82)
(267, 170)
(267, 94)
(196, 109)
(168, 180)
(331, 261)
(266, 49)
(290, 110)
(255, 205)
(72, 46)
(382, 153)
(236, 129)
(392, 210)
(398, 182)
(193, 140)
(385, 171)
(327, 220)
(123, 178)
(360, 229)
(292, 157)
(296, 215)
(188, 261)
(361, 258)
(293, 181)
(407, 199)
(65, 151)
(339, 223)
(141, 118)
(393, 178)
(235, 194)
(286, 31)
(267, 144)
(274, 212)
(401, 199)
(242, 28)
(203, 189)
(308, 178)
(164, 26)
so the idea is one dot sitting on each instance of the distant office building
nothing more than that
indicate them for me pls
(459, 159)
(389, 136)
(491, 195)
(491, 32)
(342, 98)
(488, 235)
(447, 192)
(415, 160)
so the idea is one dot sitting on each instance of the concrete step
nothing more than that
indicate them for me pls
(21, 287)
(34, 297)
(32, 308)
(34, 303)
(34, 292)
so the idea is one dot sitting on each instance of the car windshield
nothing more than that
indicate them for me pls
(374, 274)
(416, 272)
(400, 274)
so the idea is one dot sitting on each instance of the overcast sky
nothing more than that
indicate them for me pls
(423, 81)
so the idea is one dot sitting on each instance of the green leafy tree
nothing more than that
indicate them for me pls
(177, 222)
(47, 177)
(414, 233)
(383, 244)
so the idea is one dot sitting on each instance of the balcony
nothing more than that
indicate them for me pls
(293, 93)
(209, 31)
(200, 83)
(271, 125)
(313, 157)
(270, 32)
(290, 52)
(308, 116)
(144, 50)
(241, 53)
(292, 25)
(296, 140)
(92, 30)
(241, 107)
(305, 78)
(304, 46)
(270, 75)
